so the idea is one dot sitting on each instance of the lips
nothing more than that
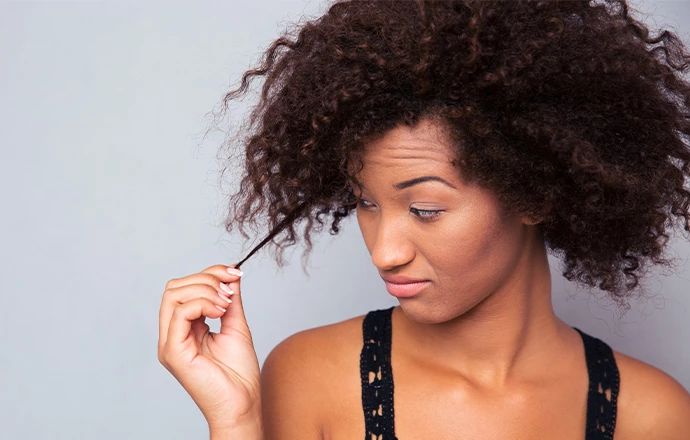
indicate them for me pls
(406, 290)
(401, 279)
(402, 286)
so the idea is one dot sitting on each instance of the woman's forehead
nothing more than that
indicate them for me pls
(401, 167)
(427, 134)
(406, 157)
(423, 148)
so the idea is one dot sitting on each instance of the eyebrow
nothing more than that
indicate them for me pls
(417, 180)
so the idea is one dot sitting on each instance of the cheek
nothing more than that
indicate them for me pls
(471, 251)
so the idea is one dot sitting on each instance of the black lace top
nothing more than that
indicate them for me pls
(377, 381)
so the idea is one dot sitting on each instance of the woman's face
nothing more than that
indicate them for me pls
(453, 234)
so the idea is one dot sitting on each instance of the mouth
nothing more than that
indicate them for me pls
(406, 290)
(401, 279)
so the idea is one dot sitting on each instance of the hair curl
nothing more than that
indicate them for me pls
(568, 111)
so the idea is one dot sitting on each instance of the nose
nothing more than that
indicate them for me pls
(391, 247)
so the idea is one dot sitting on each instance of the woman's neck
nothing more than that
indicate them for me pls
(505, 338)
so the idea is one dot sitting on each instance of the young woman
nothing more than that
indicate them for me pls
(470, 138)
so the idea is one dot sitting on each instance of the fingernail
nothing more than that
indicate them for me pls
(225, 298)
(227, 289)
(224, 310)
(233, 271)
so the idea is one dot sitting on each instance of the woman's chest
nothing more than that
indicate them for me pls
(429, 407)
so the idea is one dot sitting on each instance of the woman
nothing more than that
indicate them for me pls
(469, 138)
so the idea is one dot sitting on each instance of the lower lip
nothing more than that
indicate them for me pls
(406, 290)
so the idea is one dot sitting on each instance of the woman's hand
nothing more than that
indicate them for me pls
(220, 371)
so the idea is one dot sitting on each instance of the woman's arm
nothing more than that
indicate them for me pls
(252, 429)
(667, 410)
(651, 403)
(291, 389)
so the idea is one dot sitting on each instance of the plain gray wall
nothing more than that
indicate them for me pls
(109, 189)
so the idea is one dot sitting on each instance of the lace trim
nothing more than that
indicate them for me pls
(604, 384)
(377, 376)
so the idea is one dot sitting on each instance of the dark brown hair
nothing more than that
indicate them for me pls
(569, 111)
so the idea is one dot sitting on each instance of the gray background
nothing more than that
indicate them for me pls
(109, 189)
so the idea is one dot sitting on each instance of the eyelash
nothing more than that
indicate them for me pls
(434, 213)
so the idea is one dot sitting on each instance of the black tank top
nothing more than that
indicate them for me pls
(377, 381)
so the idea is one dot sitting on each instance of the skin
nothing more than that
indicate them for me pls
(482, 335)
(486, 320)
(487, 311)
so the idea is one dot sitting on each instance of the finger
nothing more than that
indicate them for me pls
(184, 314)
(211, 275)
(176, 296)
(199, 329)
(234, 319)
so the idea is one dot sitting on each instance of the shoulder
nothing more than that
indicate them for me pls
(322, 344)
(300, 374)
(651, 403)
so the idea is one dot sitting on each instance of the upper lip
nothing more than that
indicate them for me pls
(401, 279)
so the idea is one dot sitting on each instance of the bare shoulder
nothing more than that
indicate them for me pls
(300, 374)
(323, 346)
(651, 403)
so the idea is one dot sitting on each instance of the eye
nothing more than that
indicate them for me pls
(426, 214)
(423, 214)
(362, 203)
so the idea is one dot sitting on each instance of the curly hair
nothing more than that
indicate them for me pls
(569, 111)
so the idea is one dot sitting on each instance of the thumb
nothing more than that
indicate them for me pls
(234, 318)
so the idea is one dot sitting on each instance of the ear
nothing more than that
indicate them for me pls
(531, 219)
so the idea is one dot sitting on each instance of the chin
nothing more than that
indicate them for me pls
(425, 313)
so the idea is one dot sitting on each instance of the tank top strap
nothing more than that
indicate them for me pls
(604, 384)
(377, 376)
